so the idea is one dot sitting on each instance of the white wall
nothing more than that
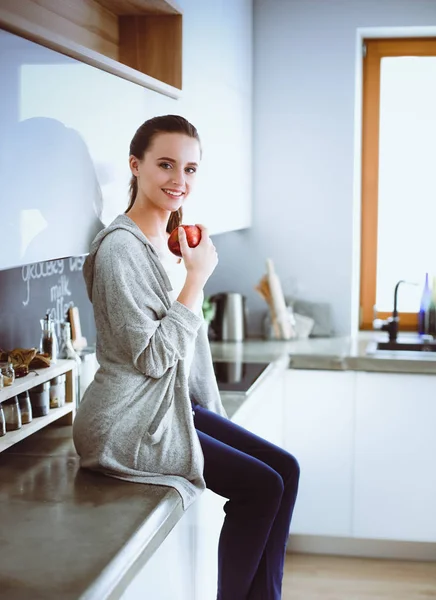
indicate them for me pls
(304, 82)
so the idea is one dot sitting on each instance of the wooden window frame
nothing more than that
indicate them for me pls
(376, 49)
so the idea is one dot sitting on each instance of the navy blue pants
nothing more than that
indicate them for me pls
(260, 481)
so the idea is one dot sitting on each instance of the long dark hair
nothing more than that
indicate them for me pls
(143, 139)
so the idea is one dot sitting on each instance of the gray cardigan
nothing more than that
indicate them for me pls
(135, 420)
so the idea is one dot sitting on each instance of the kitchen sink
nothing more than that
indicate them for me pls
(421, 346)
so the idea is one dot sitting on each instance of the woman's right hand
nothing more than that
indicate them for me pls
(200, 262)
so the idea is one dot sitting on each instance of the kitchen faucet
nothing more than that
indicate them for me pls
(391, 324)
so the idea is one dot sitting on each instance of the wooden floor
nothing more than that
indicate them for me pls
(309, 577)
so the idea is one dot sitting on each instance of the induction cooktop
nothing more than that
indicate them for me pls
(236, 376)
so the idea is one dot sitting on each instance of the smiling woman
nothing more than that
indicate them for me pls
(149, 162)
(156, 415)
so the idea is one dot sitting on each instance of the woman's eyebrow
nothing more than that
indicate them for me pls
(194, 164)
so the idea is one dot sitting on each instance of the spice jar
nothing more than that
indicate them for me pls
(2, 422)
(49, 341)
(12, 412)
(7, 370)
(40, 399)
(57, 391)
(25, 407)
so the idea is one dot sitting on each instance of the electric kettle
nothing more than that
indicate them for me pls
(230, 322)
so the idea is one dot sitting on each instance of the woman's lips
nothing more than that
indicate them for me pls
(174, 194)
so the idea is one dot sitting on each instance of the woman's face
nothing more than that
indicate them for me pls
(166, 173)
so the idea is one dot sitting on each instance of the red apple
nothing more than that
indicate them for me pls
(193, 237)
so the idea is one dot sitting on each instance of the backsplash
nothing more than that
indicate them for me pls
(28, 292)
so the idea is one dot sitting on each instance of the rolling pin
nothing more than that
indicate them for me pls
(278, 301)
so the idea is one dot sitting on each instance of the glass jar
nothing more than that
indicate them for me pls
(1, 380)
(40, 399)
(25, 407)
(49, 342)
(12, 412)
(57, 391)
(7, 370)
(2, 422)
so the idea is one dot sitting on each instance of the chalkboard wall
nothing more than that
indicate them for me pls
(28, 292)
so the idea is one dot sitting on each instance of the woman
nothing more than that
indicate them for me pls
(153, 413)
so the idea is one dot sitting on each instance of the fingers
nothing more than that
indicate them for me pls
(182, 240)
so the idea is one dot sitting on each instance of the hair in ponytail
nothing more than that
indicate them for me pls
(141, 142)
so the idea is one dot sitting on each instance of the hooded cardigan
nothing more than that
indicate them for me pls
(135, 420)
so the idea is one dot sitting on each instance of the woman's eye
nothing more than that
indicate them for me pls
(191, 170)
(165, 165)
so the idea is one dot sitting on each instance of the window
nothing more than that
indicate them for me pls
(398, 176)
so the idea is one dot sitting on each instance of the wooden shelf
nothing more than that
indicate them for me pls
(31, 380)
(139, 40)
(37, 423)
(141, 7)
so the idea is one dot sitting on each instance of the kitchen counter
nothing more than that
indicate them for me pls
(71, 534)
(340, 353)
(68, 533)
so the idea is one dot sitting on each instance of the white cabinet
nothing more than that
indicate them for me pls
(263, 411)
(169, 573)
(217, 99)
(218, 44)
(236, 41)
(209, 519)
(395, 454)
(319, 432)
(222, 197)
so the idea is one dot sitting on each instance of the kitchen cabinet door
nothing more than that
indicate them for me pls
(169, 573)
(395, 453)
(221, 199)
(217, 99)
(262, 413)
(319, 432)
(218, 43)
(236, 53)
(208, 520)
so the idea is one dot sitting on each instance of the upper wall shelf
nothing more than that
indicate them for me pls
(139, 40)
(141, 7)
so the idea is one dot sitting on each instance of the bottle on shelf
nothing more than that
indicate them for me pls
(69, 352)
(12, 414)
(432, 310)
(424, 309)
(49, 342)
(25, 407)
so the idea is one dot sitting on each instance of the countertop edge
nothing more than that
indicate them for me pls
(338, 353)
(385, 364)
(121, 570)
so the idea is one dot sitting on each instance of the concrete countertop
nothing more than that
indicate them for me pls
(71, 534)
(339, 353)
(68, 533)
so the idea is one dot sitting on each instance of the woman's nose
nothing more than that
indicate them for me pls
(178, 177)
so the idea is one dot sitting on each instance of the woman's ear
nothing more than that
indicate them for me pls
(134, 165)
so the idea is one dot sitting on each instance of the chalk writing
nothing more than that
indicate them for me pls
(38, 271)
(76, 263)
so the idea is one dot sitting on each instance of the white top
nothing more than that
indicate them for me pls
(176, 272)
